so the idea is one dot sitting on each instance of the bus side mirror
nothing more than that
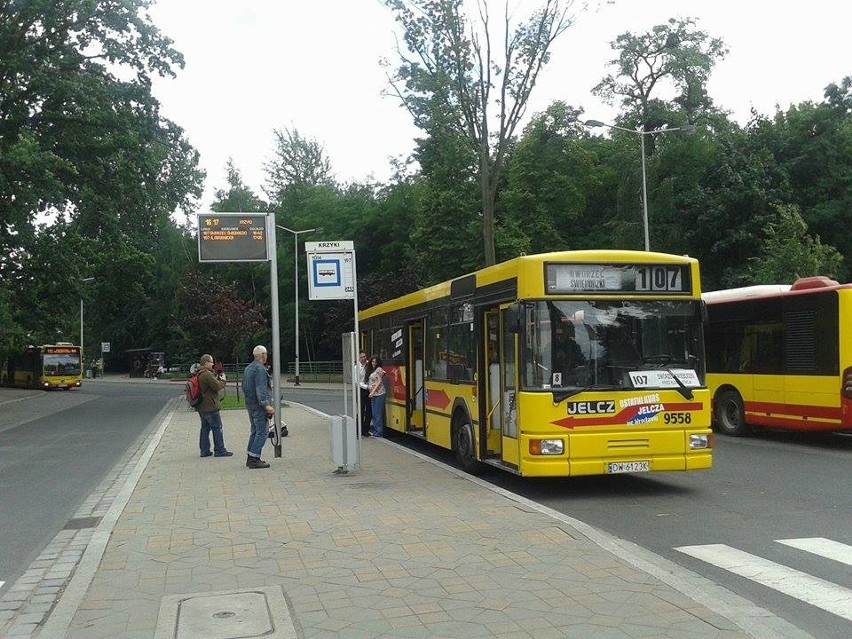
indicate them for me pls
(512, 318)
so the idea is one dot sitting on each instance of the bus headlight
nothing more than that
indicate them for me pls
(547, 447)
(697, 442)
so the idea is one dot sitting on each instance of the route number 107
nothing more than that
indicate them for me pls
(659, 278)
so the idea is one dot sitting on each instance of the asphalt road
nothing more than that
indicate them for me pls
(762, 490)
(55, 449)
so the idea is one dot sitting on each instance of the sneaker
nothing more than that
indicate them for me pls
(206, 454)
(257, 462)
(225, 453)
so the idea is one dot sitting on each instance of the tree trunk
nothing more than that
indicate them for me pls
(489, 196)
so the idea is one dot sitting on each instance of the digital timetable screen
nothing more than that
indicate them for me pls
(232, 237)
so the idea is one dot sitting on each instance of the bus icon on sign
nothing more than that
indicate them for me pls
(326, 272)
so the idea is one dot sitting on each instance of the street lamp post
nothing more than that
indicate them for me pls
(687, 128)
(296, 280)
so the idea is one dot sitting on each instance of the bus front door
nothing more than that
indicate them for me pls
(493, 441)
(415, 391)
(510, 448)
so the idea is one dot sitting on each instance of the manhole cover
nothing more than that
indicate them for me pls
(233, 614)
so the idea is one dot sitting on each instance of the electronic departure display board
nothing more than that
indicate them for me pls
(232, 237)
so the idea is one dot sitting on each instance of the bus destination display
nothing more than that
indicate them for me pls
(61, 350)
(232, 237)
(617, 278)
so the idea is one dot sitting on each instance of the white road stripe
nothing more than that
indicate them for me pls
(813, 590)
(822, 547)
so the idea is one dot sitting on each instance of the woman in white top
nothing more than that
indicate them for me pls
(376, 383)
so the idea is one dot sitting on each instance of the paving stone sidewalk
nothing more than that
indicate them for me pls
(402, 547)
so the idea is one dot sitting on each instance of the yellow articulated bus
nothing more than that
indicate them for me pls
(49, 367)
(780, 356)
(553, 365)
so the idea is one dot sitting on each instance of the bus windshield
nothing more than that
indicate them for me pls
(61, 364)
(611, 344)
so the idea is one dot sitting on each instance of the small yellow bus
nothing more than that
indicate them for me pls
(553, 365)
(780, 356)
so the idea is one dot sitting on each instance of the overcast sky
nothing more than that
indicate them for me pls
(253, 66)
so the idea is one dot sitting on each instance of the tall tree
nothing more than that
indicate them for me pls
(237, 197)
(548, 180)
(82, 142)
(67, 122)
(451, 71)
(659, 80)
(299, 162)
(447, 222)
(675, 56)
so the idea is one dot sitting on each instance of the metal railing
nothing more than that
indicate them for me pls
(311, 371)
(331, 371)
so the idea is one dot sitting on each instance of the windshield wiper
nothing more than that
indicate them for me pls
(682, 389)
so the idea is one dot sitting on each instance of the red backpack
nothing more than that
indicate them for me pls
(192, 391)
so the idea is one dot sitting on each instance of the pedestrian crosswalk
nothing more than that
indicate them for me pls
(818, 592)
(822, 547)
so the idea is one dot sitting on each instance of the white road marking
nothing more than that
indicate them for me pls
(812, 590)
(822, 547)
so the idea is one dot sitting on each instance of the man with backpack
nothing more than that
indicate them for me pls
(208, 409)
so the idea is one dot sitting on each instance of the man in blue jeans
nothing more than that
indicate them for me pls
(258, 405)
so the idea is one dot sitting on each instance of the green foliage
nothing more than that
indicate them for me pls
(451, 81)
(91, 175)
(548, 179)
(89, 171)
(788, 252)
(298, 162)
(813, 142)
(447, 221)
(217, 318)
(675, 53)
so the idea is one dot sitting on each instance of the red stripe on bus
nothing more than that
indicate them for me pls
(798, 410)
(792, 424)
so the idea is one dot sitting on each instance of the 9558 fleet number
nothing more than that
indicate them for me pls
(677, 418)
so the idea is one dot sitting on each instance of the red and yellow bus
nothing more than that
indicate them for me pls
(49, 366)
(780, 356)
(560, 364)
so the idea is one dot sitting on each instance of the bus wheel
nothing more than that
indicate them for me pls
(463, 448)
(730, 414)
